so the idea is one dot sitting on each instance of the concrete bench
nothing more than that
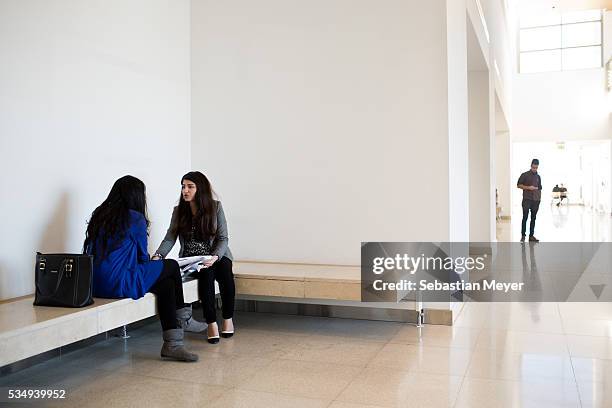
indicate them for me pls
(298, 281)
(337, 288)
(28, 330)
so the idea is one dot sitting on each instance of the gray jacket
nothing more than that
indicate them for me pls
(220, 244)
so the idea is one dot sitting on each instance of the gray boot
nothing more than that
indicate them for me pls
(185, 320)
(174, 348)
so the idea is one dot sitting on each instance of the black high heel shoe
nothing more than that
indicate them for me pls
(226, 334)
(213, 339)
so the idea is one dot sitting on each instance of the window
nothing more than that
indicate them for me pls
(559, 42)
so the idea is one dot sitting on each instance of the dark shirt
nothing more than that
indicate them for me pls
(529, 178)
(556, 189)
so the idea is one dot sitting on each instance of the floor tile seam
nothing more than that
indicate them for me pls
(520, 379)
(238, 389)
(433, 346)
(243, 354)
(523, 330)
(255, 373)
(509, 350)
(283, 358)
(226, 388)
(467, 370)
(514, 330)
(414, 370)
(246, 387)
(343, 336)
(459, 347)
(375, 355)
(525, 381)
(273, 332)
(456, 398)
(335, 398)
(574, 374)
(459, 391)
(523, 353)
(291, 360)
(181, 380)
(369, 363)
(351, 339)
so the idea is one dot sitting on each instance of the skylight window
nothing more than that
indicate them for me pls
(559, 42)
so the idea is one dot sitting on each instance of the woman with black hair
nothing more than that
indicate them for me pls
(117, 238)
(199, 223)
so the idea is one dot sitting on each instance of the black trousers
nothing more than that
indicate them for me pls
(168, 291)
(529, 205)
(220, 271)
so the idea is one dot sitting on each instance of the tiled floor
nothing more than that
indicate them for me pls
(497, 355)
(567, 223)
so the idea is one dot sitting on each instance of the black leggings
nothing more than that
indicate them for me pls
(168, 290)
(221, 271)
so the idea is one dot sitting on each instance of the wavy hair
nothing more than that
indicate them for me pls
(205, 217)
(110, 220)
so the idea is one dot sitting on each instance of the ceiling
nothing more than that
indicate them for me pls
(562, 5)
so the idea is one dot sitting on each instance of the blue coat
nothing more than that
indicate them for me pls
(126, 270)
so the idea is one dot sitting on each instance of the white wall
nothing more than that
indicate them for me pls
(90, 91)
(457, 61)
(480, 159)
(561, 106)
(322, 123)
(499, 15)
(503, 165)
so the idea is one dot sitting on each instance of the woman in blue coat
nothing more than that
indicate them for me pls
(117, 238)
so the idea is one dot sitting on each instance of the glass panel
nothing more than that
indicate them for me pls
(580, 16)
(576, 35)
(540, 61)
(534, 19)
(543, 38)
(584, 57)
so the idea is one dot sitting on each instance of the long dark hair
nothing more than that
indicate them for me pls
(111, 218)
(205, 218)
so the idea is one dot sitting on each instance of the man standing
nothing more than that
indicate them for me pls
(531, 184)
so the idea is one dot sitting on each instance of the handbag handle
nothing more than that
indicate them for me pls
(59, 280)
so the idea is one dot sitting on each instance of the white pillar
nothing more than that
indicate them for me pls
(482, 195)
(502, 171)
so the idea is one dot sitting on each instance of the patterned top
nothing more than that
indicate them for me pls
(194, 246)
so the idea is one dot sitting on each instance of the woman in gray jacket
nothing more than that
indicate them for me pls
(199, 223)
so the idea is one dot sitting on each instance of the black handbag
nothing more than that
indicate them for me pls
(63, 280)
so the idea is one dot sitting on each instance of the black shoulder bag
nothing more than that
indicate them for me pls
(63, 280)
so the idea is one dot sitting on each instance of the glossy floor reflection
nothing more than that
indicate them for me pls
(496, 355)
(571, 223)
